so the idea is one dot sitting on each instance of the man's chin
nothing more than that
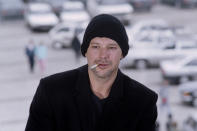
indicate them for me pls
(104, 74)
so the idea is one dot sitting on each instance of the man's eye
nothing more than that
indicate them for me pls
(112, 47)
(94, 46)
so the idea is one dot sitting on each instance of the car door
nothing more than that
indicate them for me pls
(65, 35)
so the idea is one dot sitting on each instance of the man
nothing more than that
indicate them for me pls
(97, 96)
(30, 53)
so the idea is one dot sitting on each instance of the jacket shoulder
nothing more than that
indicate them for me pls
(61, 77)
(140, 91)
(60, 81)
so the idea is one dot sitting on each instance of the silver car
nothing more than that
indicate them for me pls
(180, 70)
(119, 8)
(39, 16)
(188, 93)
(190, 124)
(62, 34)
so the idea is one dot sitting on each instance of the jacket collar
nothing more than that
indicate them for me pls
(84, 100)
(83, 83)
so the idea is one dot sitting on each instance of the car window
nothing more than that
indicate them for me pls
(57, 2)
(63, 30)
(146, 39)
(192, 63)
(109, 2)
(188, 46)
(71, 9)
(145, 28)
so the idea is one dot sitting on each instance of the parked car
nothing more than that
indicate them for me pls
(142, 5)
(148, 25)
(74, 12)
(119, 8)
(188, 93)
(11, 8)
(180, 70)
(181, 3)
(62, 34)
(149, 50)
(190, 124)
(39, 16)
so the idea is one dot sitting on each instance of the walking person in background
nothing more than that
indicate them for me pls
(30, 53)
(41, 54)
(164, 95)
(171, 125)
(76, 45)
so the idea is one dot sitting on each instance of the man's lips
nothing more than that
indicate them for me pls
(103, 65)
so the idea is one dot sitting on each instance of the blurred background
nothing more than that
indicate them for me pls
(36, 40)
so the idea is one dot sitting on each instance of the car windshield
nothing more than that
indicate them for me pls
(111, 2)
(57, 2)
(40, 12)
(188, 45)
(73, 9)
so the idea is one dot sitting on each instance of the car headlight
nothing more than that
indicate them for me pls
(186, 94)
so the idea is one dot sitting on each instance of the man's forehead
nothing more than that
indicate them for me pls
(98, 40)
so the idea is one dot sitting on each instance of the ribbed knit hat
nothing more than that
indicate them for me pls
(105, 25)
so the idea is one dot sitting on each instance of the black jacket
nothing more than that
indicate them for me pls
(63, 103)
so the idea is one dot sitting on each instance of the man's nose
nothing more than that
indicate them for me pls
(103, 53)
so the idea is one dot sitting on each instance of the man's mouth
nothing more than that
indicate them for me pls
(103, 66)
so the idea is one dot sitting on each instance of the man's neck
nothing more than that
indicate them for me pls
(101, 87)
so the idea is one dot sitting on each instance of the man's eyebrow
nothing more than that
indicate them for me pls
(113, 44)
(95, 43)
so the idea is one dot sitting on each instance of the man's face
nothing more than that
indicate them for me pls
(106, 53)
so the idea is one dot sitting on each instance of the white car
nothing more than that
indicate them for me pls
(190, 123)
(74, 12)
(150, 30)
(188, 93)
(39, 16)
(62, 34)
(148, 26)
(119, 8)
(150, 52)
(180, 70)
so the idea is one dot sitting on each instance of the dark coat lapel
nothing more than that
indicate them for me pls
(113, 112)
(83, 99)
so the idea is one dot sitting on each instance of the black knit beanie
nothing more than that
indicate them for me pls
(105, 25)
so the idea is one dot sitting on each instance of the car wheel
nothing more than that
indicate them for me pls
(57, 45)
(141, 64)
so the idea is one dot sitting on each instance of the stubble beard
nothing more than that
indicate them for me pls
(106, 74)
